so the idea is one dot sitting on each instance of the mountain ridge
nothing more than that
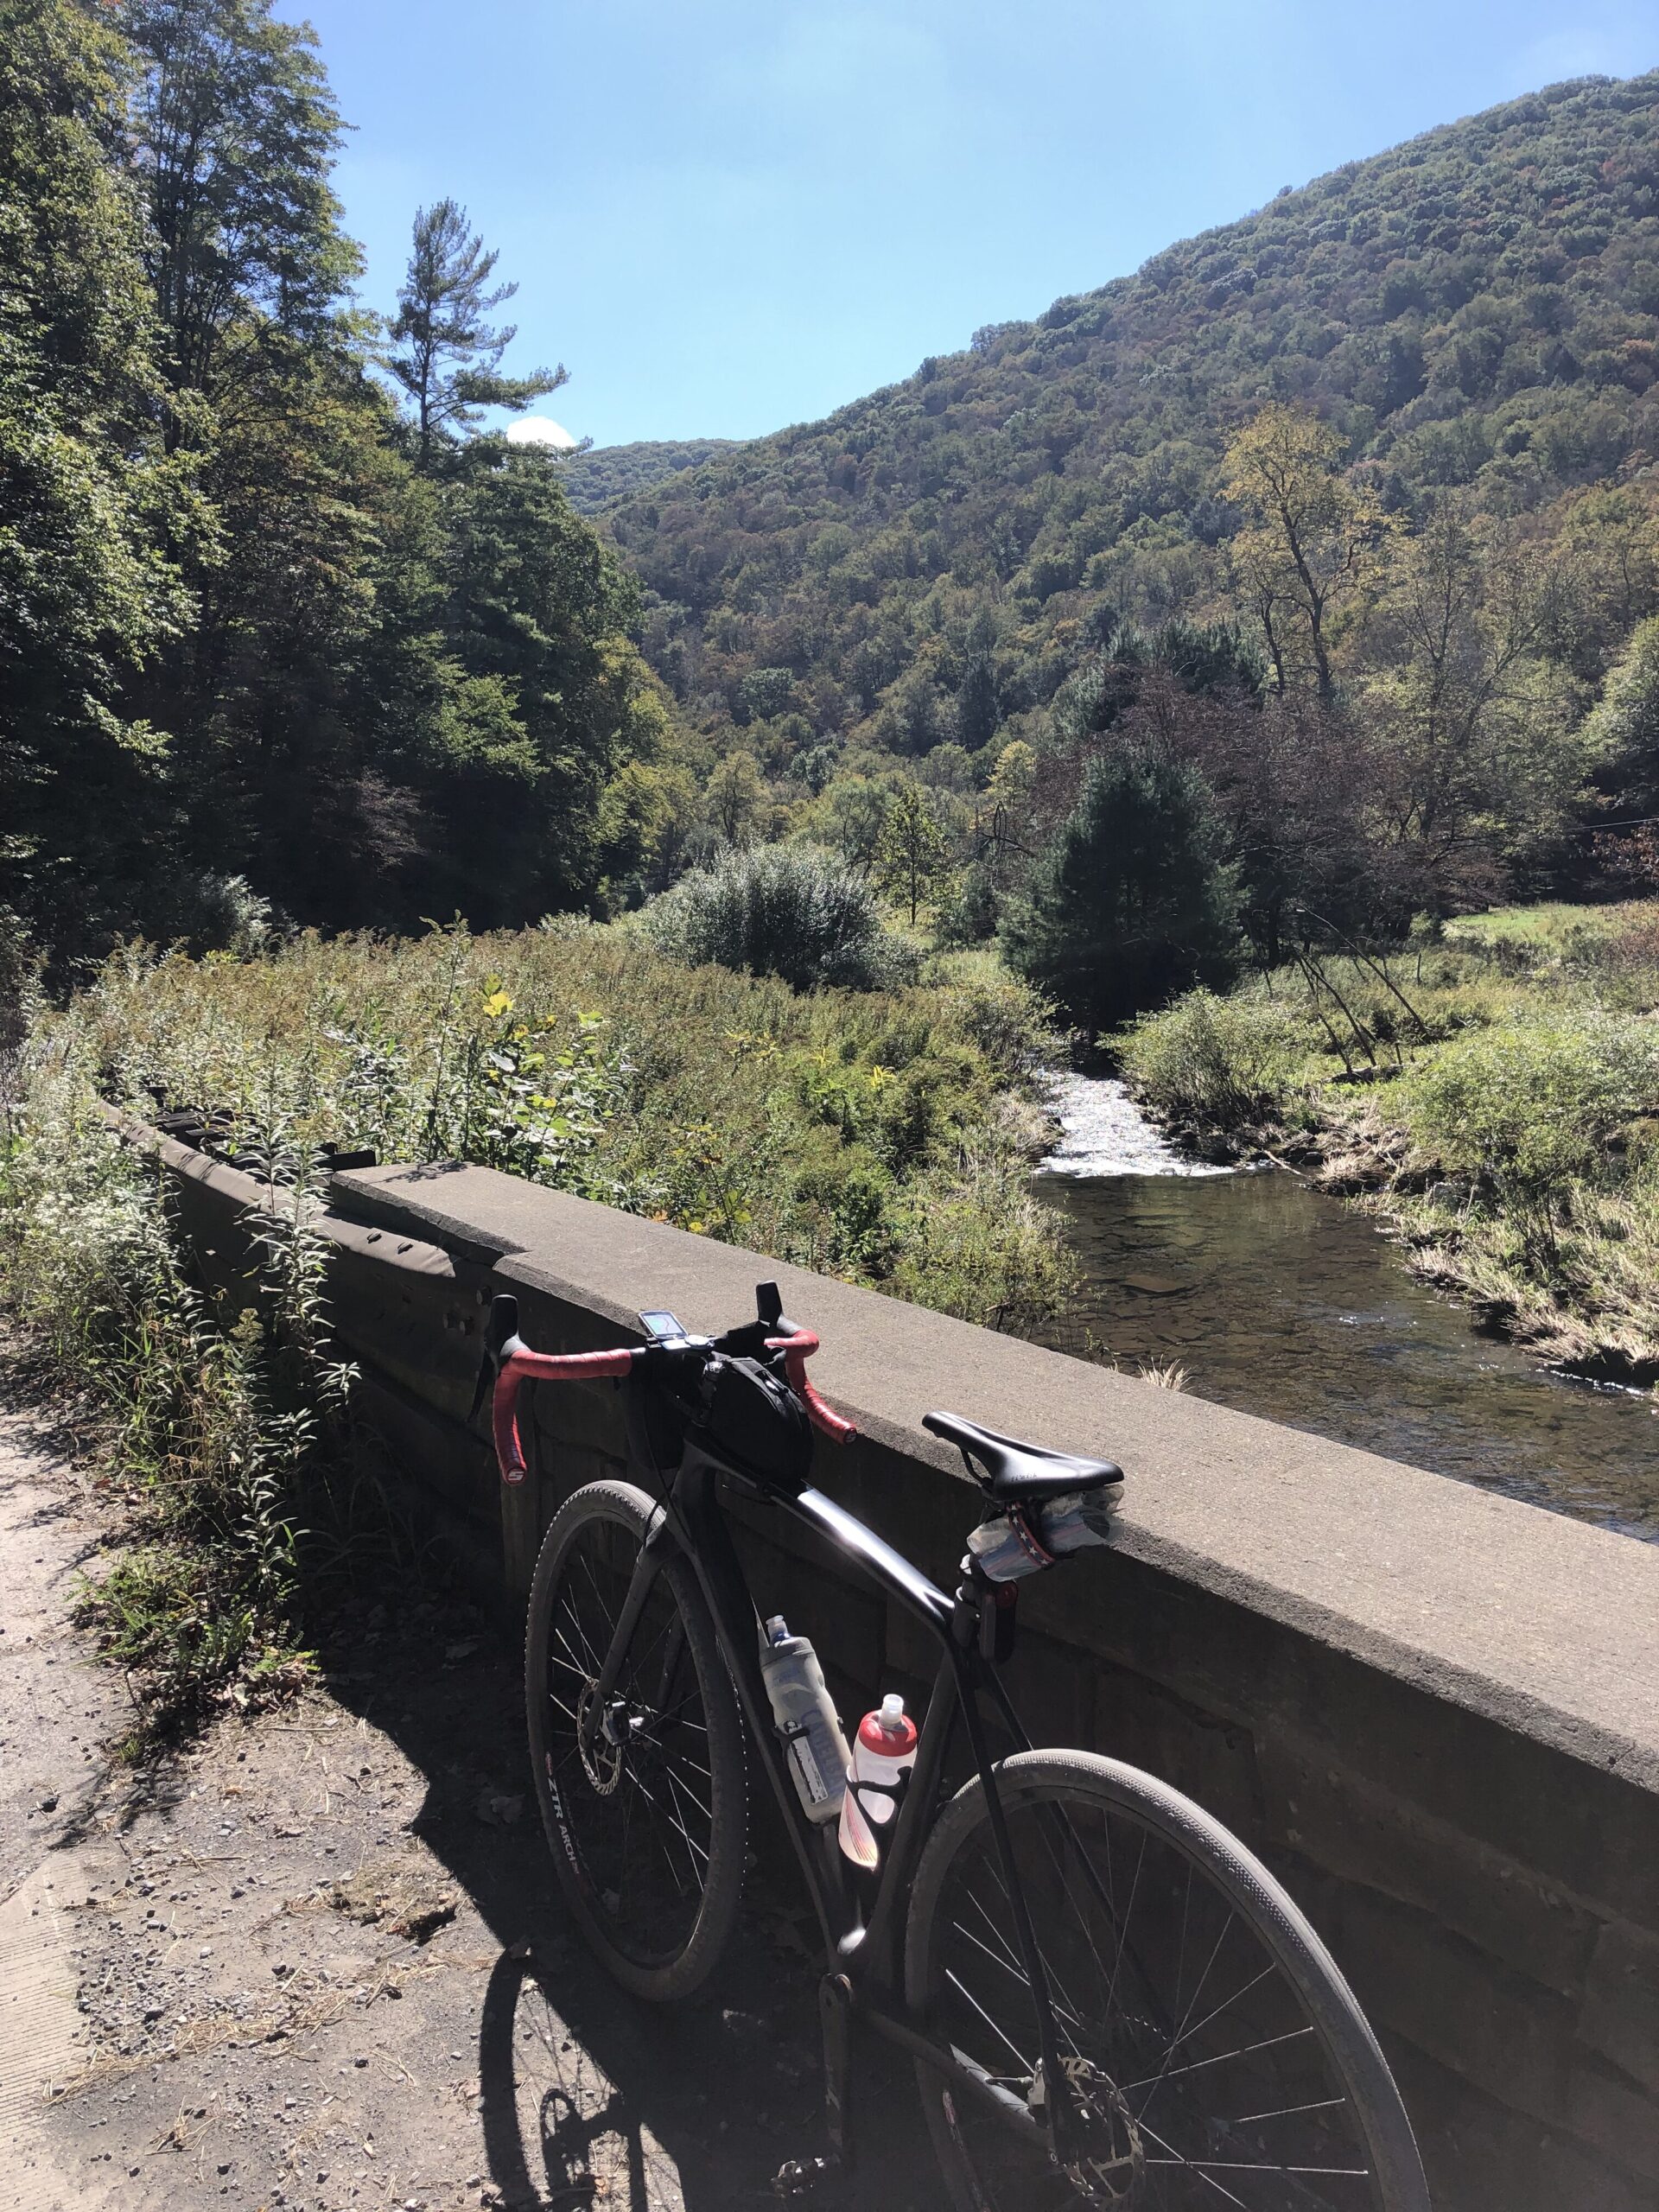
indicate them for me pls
(1476, 308)
(598, 475)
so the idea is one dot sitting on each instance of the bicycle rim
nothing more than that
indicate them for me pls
(1215, 2051)
(642, 1801)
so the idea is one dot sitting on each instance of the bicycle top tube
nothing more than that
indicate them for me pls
(517, 1364)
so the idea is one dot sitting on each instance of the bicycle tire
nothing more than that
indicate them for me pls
(1094, 1789)
(592, 1862)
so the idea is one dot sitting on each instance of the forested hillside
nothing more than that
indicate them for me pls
(277, 627)
(1394, 433)
(1478, 309)
(1304, 583)
(605, 473)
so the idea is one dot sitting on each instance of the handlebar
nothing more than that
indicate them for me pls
(796, 1351)
(514, 1364)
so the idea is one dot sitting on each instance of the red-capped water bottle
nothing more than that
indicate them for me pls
(884, 1751)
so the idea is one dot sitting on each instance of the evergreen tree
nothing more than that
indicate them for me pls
(92, 511)
(1132, 901)
(976, 707)
(451, 363)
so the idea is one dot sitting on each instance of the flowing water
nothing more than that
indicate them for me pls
(1281, 1301)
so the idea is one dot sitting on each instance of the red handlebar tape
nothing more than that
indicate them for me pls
(796, 1351)
(519, 1366)
(522, 1366)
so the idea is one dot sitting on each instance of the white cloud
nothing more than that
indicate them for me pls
(540, 430)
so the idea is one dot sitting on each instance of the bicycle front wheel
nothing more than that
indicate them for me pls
(644, 1801)
(1214, 2054)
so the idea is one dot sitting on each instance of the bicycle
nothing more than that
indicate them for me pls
(1108, 2000)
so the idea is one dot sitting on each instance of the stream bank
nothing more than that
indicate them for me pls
(1279, 1298)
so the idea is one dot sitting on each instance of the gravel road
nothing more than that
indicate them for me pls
(316, 1959)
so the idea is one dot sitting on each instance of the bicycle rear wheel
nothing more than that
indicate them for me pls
(1219, 2056)
(644, 1804)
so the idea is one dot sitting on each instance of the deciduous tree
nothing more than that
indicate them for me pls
(1310, 539)
(912, 857)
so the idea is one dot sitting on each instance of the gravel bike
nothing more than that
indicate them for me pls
(1108, 2000)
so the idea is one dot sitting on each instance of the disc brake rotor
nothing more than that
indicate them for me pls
(1112, 2169)
(602, 1759)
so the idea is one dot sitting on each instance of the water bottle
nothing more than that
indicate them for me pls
(1070, 1523)
(884, 1751)
(806, 1720)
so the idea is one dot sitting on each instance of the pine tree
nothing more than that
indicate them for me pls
(977, 715)
(1132, 901)
(450, 364)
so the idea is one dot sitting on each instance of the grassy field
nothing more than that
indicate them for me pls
(1492, 1091)
(880, 1136)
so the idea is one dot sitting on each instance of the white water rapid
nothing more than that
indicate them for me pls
(1105, 1133)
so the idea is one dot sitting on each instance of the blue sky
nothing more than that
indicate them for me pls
(729, 215)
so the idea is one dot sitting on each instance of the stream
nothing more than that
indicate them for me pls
(1281, 1301)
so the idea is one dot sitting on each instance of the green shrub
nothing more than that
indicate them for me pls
(1532, 1104)
(229, 1434)
(789, 911)
(1226, 1062)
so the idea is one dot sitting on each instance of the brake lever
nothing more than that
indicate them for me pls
(500, 1342)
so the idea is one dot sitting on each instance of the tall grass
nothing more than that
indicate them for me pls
(829, 1128)
(225, 1431)
(882, 1136)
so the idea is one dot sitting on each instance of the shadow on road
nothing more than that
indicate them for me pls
(587, 2094)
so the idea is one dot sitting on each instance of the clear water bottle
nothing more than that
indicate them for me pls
(1070, 1523)
(806, 1720)
(884, 1751)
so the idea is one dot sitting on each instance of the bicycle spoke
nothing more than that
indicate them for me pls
(1029, 2071)
(1209, 2180)
(1017, 1972)
(1179, 2036)
(637, 1792)
(1008, 1960)
(1287, 2111)
(634, 1783)
(1232, 2096)
(1128, 1915)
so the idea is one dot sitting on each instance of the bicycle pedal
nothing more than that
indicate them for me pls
(798, 2178)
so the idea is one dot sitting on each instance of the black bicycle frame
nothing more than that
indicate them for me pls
(865, 1952)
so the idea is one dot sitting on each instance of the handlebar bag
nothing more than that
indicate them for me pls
(752, 1420)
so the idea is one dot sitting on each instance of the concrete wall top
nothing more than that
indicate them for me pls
(1541, 1623)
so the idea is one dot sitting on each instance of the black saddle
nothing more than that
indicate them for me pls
(1017, 1473)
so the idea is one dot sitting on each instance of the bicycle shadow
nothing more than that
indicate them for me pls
(587, 2095)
